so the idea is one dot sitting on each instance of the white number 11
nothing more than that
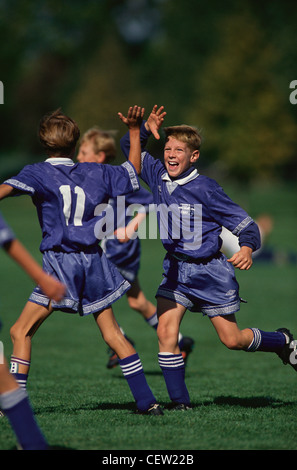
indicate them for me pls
(65, 190)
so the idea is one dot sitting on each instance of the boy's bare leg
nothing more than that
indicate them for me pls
(140, 303)
(7, 381)
(170, 315)
(129, 362)
(229, 333)
(280, 341)
(22, 332)
(16, 407)
(137, 301)
(112, 334)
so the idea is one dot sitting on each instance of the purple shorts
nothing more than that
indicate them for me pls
(209, 287)
(93, 283)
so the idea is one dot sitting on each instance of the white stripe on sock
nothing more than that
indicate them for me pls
(170, 360)
(131, 368)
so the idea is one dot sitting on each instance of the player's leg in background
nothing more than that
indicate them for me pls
(22, 332)
(138, 302)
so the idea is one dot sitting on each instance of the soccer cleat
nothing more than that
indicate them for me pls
(187, 348)
(179, 406)
(288, 353)
(153, 410)
(113, 360)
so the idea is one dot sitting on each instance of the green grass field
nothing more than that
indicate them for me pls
(241, 401)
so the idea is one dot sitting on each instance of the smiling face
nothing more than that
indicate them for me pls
(178, 157)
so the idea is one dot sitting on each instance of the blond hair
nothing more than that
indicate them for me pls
(102, 141)
(186, 134)
(58, 134)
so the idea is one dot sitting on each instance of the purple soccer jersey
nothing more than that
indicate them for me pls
(66, 195)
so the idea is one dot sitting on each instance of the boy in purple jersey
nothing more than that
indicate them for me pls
(14, 401)
(66, 196)
(121, 246)
(197, 276)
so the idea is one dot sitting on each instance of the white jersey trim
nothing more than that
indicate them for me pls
(133, 178)
(18, 185)
(60, 161)
(181, 181)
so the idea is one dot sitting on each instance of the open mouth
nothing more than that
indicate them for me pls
(173, 164)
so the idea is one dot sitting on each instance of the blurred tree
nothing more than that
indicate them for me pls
(224, 66)
(43, 44)
(237, 101)
(106, 86)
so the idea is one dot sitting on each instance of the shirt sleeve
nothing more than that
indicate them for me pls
(121, 179)
(250, 236)
(230, 215)
(24, 182)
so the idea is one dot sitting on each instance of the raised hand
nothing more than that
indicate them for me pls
(133, 120)
(155, 120)
(134, 117)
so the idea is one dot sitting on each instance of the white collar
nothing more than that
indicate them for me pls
(60, 161)
(181, 181)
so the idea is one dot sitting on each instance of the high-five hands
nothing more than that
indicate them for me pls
(155, 121)
(134, 117)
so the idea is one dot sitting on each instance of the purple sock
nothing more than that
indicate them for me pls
(133, 372)
(266, 341)
(173, 368)
(17, 409)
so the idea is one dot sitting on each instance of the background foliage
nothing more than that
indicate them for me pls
(224, 67)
